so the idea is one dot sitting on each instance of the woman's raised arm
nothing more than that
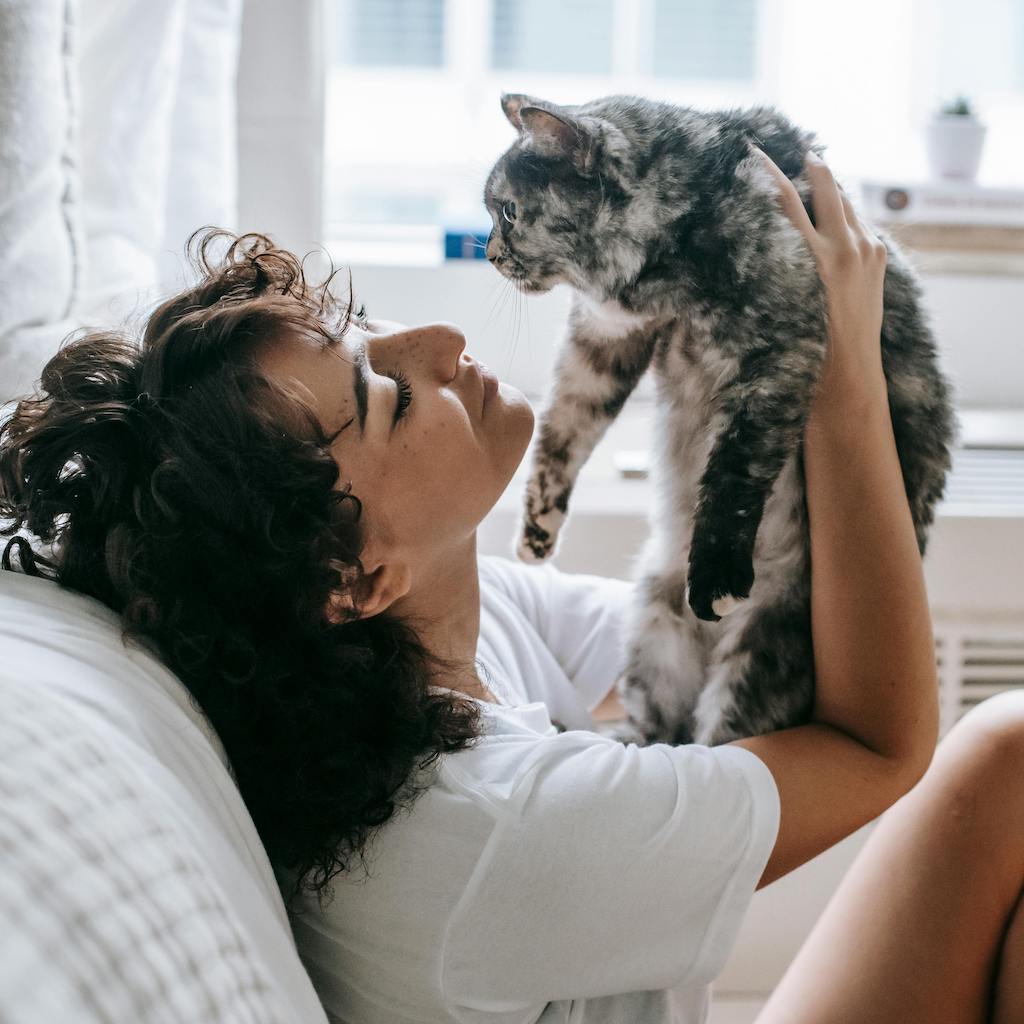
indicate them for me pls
(876, 702)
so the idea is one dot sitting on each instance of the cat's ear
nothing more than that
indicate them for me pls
(512, 103)
(558, 135)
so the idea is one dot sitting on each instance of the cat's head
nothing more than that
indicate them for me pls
(558, 198)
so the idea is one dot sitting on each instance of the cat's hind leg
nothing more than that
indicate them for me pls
(761, 674)
(665, 667)
(764, 395)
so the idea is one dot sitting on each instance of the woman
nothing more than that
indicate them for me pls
(282, 496)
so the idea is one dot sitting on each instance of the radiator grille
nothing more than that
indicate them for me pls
(987, 480)
(981, 480)
(976, 661)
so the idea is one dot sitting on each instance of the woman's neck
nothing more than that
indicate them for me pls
(443, 607)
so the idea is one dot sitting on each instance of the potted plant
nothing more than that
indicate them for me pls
(954, 139)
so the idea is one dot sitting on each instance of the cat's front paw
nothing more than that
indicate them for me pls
(535, 542)
(542, 519)
(718, 584)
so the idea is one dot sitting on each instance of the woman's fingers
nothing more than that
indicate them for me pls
(834, 215)
(857, 226)
(792, 204)
(829, 213)
(860, 229)
(851, 214)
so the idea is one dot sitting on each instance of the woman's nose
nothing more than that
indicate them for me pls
(436, 346)
(444, 344)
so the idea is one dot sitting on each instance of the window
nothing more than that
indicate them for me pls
(980, 47)
(413, 121)
(379, 33)
(572, 37)
(710, 39)
(413, 116)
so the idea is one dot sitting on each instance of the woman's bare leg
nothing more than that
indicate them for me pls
(1008, 1004)
(926, 927)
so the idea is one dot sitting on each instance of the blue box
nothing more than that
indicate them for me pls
(465, 245)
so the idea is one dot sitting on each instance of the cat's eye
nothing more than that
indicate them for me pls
(508, 211)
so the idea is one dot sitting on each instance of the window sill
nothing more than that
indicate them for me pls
(387, 245)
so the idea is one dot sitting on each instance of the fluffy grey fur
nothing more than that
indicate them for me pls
(669, 233)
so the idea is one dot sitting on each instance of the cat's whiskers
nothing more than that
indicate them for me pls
(519, 316)
(499, 303)
(529, 335)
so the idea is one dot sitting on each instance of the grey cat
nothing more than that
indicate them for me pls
(668, 231)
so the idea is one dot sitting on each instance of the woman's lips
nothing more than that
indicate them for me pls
(490, 384)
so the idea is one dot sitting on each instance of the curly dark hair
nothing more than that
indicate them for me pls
(199, 499)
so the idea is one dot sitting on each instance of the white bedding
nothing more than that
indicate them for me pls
(134, 886)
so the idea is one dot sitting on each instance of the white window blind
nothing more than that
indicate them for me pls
(570, 37)
(708, 39)
(379, 33)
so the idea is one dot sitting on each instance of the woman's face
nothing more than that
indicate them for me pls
(432, 439)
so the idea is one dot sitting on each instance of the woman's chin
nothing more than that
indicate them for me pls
(518, 405)
(514, 419)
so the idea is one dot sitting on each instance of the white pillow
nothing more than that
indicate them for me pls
(134, 885)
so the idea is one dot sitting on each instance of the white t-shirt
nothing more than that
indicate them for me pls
(549, 876)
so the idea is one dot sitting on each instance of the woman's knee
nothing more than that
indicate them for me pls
(996, 728)
(978, 767)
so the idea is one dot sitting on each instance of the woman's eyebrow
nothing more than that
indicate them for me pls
(358, 362)
(359, 383)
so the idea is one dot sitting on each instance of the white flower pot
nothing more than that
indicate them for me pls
(954, 143)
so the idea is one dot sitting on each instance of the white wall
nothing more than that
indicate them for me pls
(979, 322)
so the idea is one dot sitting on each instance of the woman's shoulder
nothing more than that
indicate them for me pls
(504, 573)
(508, 587)
(545, 584)
(514, 742)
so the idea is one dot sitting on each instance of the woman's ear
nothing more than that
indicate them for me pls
(376, 590)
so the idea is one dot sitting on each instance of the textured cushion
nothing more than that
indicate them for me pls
(134, 886)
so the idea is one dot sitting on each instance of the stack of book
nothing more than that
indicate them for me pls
(950, 225)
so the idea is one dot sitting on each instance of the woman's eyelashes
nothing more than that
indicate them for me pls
(404, 393)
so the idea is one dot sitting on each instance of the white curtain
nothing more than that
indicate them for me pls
(117, 139)
(40, 226)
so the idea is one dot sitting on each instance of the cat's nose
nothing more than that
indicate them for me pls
(493, 248)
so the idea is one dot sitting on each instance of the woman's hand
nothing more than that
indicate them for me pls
(851, 263)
